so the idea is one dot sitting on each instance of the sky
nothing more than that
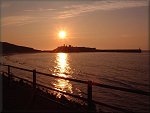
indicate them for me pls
(103, 24)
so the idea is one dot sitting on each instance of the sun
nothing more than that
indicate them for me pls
(62, 34)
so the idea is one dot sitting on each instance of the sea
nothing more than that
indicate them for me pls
(126, 70)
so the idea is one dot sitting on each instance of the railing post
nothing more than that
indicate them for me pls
(9, 75)
(8, 71)
(89, 95)
(34, 79)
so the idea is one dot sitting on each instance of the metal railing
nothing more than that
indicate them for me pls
(89, 84)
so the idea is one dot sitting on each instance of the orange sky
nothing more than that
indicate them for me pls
(104, 24)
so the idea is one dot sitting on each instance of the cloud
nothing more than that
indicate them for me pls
(19, 20)
(76, 10)
(39, 10)
(69, 11)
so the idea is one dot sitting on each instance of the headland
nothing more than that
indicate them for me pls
(70, 48)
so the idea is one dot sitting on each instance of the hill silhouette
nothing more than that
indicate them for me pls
(7, 48)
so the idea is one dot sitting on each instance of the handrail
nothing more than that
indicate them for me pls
(71, 79)
(82, 98)
(89, 83)
(137, 91)
(50, 75)
(19, 78)
(75, 96)
(17, 67)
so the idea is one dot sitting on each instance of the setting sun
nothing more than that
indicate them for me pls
(62, 34)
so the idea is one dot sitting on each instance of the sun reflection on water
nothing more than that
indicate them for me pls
(62, 69)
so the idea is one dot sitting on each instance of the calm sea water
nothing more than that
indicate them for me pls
(129, 70)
